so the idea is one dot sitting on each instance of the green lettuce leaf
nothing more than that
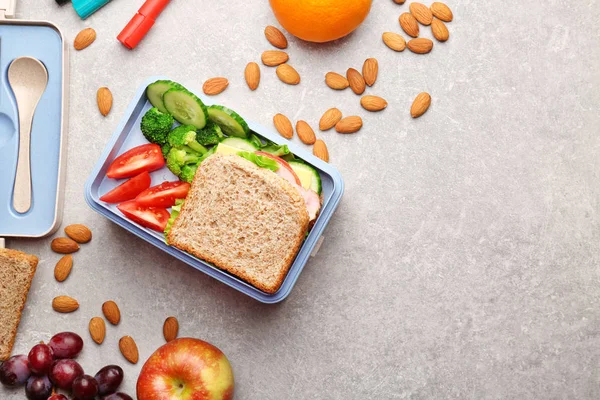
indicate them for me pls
(261, 161)
(269, 147)
(276, 150)
(175, 210)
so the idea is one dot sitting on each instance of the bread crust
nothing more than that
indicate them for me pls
(32, 260)
(283, 185)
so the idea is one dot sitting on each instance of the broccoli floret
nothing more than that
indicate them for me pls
(188, 172)
(184, 137)
(156, 126)
(210, 134)
(165, 149)
(177, 159)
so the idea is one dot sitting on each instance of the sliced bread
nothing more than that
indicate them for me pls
(244, 219)
(16, 273)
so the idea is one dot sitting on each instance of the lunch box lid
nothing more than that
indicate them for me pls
(44, 41)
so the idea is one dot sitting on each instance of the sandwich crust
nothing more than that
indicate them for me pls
(244, 219)
(16, 273)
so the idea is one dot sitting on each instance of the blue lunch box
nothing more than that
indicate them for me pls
(128, 135)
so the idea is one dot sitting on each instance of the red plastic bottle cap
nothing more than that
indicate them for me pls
(141, 23)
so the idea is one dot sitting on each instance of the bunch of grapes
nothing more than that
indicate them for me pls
(51, 366)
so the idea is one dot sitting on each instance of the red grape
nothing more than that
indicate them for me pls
(15, 371)
(64, 372)
(40, 359)
(66, 344)
(38, 388)
(109, 378)
(58, 397)
(117, 396)
(85, 388)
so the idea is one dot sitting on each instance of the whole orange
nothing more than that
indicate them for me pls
(320, 20)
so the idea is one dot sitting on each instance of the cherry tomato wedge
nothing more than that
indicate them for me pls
(286, 172)
(128, 189)
(163, 195)
(147, 157)
(150, 217)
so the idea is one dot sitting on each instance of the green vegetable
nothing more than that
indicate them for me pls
(239, 143)
(229, 121)
(261, 161)
(156, 90)
(188, 172)
(268, 147)
(156, 126)
(185, 107)
(165, 149)
(185, 136)
(256, 140)
(276, 149)
(175, 210)
(178, 158)
(288, 157)
(302, 169)
(208, 154)
(210, 134)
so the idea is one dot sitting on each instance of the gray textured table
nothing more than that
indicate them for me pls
(463, 261)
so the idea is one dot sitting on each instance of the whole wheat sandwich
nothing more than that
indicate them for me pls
(16, 273)
(244, 219)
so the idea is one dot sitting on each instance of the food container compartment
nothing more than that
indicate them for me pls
(128, 135)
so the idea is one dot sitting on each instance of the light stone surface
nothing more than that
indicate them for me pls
(463, 261)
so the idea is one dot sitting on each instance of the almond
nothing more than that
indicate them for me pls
(84, 38)
(439, 30)
(273, 58)
(441, 11)
(320, 150)
(97, 329)
(329, 119)
(252, 75)
(105, 100)
(394, 41)
(275, 37)
(421, 13)
(129, 349)
(420, 45)
(305, 132)
(214, 86)
(283, 126)
(64, 304)
(336, 81)
(64, 245)
(409, 24)
(287, 74)
(349, 125)
(420, 105)
(356, 81)
(79, 233)
(63, 268)
(373, 103)
(111, 311)
(170, 329)
(370, 71)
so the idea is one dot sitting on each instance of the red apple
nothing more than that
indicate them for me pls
(186, 369)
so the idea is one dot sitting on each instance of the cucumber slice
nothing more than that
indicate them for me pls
(230, 122)
(305, 170)
(239, 143)
(156, 90)
(185, 107)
